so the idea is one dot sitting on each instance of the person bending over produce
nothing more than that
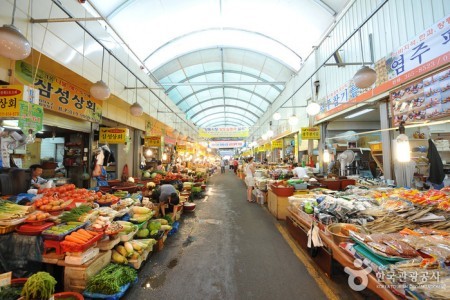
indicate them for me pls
(168, 197)
(36, 179)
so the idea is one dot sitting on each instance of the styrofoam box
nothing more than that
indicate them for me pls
(82, 258)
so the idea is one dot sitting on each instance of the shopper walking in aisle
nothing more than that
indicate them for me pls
(222, 166)
(249, 180)
(235, 166)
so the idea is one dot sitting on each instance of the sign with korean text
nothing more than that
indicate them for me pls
(152, 141)
(432, 43)
(58, 95)
(10, 95)
(278, 144)
(267, 147)
(226, 144)
(310, 133)
(223, 132)
(181, 148)
(422, 100)
(154, 128)
(113, 135)
(31, 116)
(427, 52)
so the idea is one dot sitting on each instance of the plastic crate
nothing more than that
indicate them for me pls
(282, 191)
(123, 289)
(301, 186)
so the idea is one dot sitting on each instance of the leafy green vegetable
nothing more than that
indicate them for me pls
(10, 293)
(74, 214)
(169, 219)
(109, 280)
(39, 286)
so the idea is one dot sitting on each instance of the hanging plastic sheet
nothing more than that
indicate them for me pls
(404, 173)
(17, 252)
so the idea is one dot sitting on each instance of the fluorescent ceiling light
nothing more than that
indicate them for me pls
(364, 111)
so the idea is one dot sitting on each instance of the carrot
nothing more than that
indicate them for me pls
(73, 239)
(86, 233)
(80, 236)
(92, 232)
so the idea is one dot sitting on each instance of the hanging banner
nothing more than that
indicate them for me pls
(155, 128)
(169, 140)
(31, 116)
(223, 132)
(427, 99)
(113, 135)
(58, 95)
(226, 144)
(10, 95)
(310, 133)
(278, 144)
(152, 141)
(427, 52)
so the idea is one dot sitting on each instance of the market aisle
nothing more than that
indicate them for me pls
(227, 249)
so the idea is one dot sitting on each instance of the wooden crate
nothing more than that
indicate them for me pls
(277, 205)
(76, 277)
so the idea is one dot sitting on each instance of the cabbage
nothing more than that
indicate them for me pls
(154, 226)
(147, 174)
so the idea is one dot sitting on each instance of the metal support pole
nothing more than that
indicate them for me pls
(386, 140)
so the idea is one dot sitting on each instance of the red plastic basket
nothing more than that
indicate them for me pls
(67, 246)
(68, 295)
(282, 191)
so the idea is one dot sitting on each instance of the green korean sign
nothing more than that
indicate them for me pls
(30, 116)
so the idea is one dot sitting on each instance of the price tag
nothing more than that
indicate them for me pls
(5, 279)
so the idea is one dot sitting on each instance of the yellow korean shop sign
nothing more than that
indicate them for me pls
(58, 95)
(153, 141)
(113, 135)
(310, 133)
(278, 144)
(10, 97)
(181, 148)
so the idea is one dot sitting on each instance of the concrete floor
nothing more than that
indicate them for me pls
(227, 249)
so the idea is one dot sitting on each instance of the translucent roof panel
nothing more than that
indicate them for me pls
(174, 28)
(221, 61)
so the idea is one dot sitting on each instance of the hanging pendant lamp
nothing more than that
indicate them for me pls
(276, 116)
(313, 109)
(136, 109)
(100, 89)
(366, 76)
(13, 44)
(293, 120)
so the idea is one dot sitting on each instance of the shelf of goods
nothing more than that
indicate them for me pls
(298, 227)
(403, 231)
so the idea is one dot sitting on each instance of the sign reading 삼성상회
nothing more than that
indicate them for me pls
(310, 133)
(58, 95)
(10, 97)
(113, 135)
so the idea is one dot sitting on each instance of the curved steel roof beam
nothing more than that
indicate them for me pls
(220, 87)
(119, 8)
(224, 71)
(223, 28)
(225, 117)
(222, 98)
(224, 106)
(228, 118)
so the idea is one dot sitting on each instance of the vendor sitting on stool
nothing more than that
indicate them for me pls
(36, 179)
(168, 195)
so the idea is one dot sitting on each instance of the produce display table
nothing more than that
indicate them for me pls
(277, 205)
(341, 256)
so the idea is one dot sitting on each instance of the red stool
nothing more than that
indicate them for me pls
(49, 244)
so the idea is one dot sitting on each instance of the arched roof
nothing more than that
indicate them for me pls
(228, 55)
